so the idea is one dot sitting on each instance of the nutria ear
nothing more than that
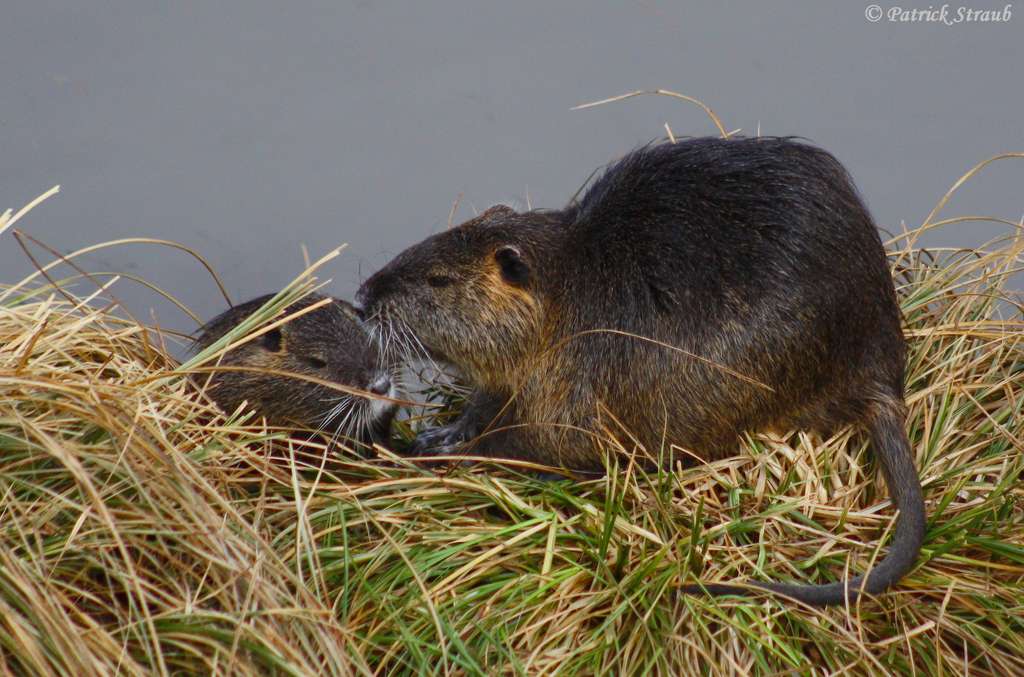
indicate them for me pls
(513, 268)
(272, 340)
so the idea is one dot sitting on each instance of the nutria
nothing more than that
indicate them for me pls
(328, 343)
(697, 290)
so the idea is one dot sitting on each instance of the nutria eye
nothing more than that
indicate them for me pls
(316, 362)
(439, 280)
(272, 340)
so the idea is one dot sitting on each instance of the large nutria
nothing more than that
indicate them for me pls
(697, 290)
(329, 344)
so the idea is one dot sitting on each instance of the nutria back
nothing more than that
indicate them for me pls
(696, 291)
(329, 344)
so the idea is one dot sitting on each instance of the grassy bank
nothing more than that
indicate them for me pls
(143, 532)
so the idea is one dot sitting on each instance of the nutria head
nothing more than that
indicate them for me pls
(329, 344)
(471, 295)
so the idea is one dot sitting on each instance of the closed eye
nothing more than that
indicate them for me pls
(439, 280)
(316, 362)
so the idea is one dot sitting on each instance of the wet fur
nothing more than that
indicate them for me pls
(756, 255)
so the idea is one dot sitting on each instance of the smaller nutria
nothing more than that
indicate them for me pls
(329, 344)
(697, 290)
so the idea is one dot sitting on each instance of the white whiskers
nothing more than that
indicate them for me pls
(350, 412)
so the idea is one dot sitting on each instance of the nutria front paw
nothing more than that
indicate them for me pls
(445, 440)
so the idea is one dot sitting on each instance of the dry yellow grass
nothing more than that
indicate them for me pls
(143, 532)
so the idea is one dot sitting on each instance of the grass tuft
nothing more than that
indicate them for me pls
(144, 532)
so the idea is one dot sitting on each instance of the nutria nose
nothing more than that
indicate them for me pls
(381, 385)
(373, 289)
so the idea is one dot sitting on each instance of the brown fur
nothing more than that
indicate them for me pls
(698, 290)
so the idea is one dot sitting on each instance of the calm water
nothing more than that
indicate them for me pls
(248, 129)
